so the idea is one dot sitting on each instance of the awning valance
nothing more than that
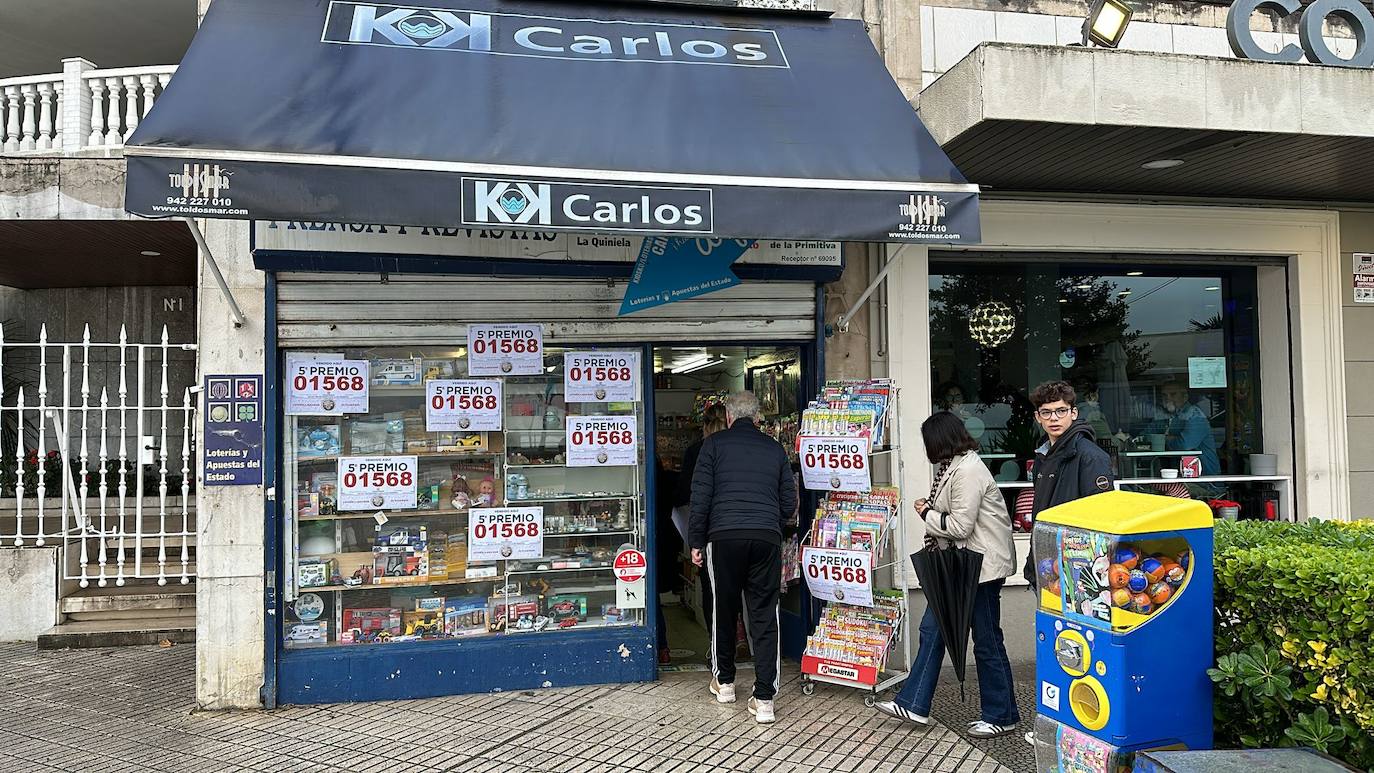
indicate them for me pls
(541, 115)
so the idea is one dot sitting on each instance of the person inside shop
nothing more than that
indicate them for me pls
(712, 421)
(742, 492)
(965, 507)
(1186, 427)
(949, 396)
(1069, 465)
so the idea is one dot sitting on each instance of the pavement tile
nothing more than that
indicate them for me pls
(130, 710)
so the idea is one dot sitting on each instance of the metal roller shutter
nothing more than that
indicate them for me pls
(333, 309)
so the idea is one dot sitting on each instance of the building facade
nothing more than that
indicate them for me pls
(1216, 294)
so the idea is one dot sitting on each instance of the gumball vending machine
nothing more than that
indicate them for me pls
(1123, 630)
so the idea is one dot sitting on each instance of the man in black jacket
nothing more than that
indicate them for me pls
(741, 492)
(1070, 465)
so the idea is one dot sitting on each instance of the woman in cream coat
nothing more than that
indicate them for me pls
(966, 508)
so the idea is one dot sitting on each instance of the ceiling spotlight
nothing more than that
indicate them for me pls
(1211, 289)
(1135, 273)
(1124, 293)
(1063, 300)
(150, 253)
(1083, 287)
(1162, 163)
(1106, 22)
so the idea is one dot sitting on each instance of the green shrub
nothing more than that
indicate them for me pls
(1295, 637)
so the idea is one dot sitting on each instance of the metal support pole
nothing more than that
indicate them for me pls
(234, 309)
(842, 324)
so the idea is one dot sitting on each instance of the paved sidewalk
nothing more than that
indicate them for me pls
(129, 709)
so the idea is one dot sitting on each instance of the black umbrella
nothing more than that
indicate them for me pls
(949, 579)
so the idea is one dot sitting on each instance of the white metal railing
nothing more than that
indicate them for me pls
(90, 448)
(80, 108)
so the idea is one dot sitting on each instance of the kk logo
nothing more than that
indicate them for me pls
(518, 203)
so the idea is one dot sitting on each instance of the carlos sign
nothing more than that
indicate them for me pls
(1310, 23)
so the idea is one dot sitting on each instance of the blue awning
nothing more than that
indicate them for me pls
(545, 115)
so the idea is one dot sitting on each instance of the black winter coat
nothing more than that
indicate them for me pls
(1073, 468)
(742, 487)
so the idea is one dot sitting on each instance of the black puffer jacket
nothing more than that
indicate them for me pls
(742, 488)
(1073, 468)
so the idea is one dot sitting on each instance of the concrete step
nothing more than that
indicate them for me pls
(178, 629)
(141, 599)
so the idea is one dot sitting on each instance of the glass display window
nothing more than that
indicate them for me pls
(401, 526)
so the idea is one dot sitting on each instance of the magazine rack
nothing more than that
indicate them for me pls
(852, 644)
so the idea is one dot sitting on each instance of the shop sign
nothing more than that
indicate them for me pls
(843, 576)
(1364, 277)
(320, 387)
(233, 430)
(377, 482)
(501, 533)
(463, 405)
(675, 269)
(835, 463)
(505, 244)
(1310, 34)
(600, 377)
(602, 441)
(629, 565)
(505, 350)
(564, 205)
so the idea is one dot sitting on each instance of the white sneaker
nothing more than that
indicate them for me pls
(762, 711)
(725, 693)
(982, 729)
(891, 709)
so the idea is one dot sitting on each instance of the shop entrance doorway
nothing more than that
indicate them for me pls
(688, 382)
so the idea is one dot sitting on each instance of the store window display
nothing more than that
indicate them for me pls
(403, 569)
(1165, 358)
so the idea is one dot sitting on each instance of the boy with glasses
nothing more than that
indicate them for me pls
(1070, 465)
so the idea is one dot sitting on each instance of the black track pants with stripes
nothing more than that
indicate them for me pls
(751, 571)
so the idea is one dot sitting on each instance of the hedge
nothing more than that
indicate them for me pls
(1295, 637)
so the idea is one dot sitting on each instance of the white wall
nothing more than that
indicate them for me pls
(1357, 235)
(1308, 239)
(949, 34)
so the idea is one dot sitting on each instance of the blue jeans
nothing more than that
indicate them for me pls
(989, 657)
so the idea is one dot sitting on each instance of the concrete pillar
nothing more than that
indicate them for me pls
(230, 590)
(847, 352)
(75, 120)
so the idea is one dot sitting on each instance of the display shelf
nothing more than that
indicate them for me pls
(560, 590)
(566, 534)
(369, 515)
(607, 498)
(592, 621)
(416, 583)
(510, 466)
(1208, 479)
(605, 568)
(419, 454)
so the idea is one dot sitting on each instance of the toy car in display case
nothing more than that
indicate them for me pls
(396, 372)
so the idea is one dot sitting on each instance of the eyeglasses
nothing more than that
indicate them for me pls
(1053, 413)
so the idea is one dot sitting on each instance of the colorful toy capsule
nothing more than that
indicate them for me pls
(1160, 593)
(1153, 567)
(1141, 603)
(1175, 575)
(1118, 576)
(1126, 555)
(1183, 559)
(1121, 597)
(1138, 582)
(1049, 567)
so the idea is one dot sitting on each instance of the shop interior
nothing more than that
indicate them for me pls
(1164, 357)
(687, 381)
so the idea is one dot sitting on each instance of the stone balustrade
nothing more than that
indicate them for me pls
(81, 109)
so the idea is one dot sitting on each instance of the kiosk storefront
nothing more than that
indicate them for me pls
(461, 423)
